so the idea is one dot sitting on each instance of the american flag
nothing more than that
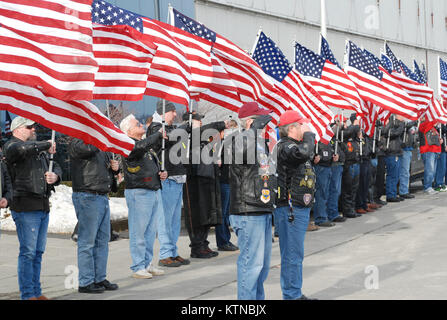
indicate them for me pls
(333, 85)
(375, 85)
(7, 123)
(399, 94)
(421, 94)
(197, 39)
(124, 61)
(417, 71)
(79, 119)
(304, 98)
(250, 81)
(442, 79)
(149, 47)
(48, 44)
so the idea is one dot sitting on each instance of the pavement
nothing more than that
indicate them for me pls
(398, 252)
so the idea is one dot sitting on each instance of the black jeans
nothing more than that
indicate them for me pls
(380, 178)
(361, 199)
(349, 187)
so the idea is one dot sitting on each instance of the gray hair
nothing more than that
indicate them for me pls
(243, 121)
(125, 123)
(284, 130)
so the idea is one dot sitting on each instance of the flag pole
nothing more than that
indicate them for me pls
(163, 125)
(190, 125)
(256, 41)
(53, 136)
(323, 19)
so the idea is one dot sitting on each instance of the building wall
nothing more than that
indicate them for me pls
(414, 29)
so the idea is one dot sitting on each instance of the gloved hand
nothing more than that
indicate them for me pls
(261, 121)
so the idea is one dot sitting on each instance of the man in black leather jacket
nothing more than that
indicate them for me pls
(32, 184)
(142, 175)
(169, 223)
(351, 169)
(251, 201)
(93, 173)
(296, 189)
(393, 133)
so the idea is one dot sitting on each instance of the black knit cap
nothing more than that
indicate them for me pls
(195, 116)
(169, 106)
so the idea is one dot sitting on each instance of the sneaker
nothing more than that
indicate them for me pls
(182, 261)
(142, 274)
(154, 270)
(443, 188)
(430, 191)
(169, 262)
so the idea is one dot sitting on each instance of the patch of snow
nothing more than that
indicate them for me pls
(62, 213)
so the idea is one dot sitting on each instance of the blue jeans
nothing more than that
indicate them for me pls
(145, 206)
(291, 246)
(223, 234)
(254, 239)
(392, 175)
(334, 192)
(31, 229)
(404, 175)
(440, 170)
(93, 213)
(169, 223)
(323, 175)
(430, 160)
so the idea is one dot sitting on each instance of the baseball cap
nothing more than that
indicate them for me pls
(251, 109)
(195, 116)
(169, 106)
(291, 116)
(18, 122)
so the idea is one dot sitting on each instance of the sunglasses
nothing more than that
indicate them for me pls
(30, 127)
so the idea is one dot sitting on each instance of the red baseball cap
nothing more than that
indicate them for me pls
(291, 116)
(251, 109)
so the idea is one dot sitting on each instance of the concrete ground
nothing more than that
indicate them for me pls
(397, 252)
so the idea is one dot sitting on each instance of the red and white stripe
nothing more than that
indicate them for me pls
(337, 90)
(48, 44)
(385, 94)
(170, 73)
(420, 93)
(443, 88)
(305, 100)
(436, 111)
(124, 63)
(79, 119)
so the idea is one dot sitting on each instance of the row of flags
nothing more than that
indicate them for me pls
(57, 55)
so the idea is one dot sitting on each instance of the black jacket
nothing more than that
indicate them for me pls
(295, 172)
(142, 166)
(172, 169)
(6, 182)
(325, 151)
(252, 188)
(27, 163)
(90, 168)
(393, 132)
(366, 144)
(410, 139)
(350, 145)
(340, 152)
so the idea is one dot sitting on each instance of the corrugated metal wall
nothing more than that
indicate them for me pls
(415, 29)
